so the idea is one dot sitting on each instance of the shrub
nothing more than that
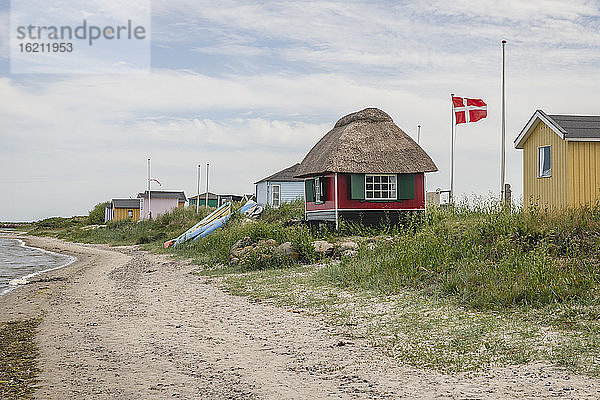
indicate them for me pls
(96, 215)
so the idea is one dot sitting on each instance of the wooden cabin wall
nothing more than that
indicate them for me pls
(551, 192)
(584, 172)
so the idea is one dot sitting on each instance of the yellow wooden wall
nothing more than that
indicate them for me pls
(584, 172)
(122, 214)
(549, 192)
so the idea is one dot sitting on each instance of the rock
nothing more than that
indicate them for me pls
(245, 252)
(267, 243)
(235, 252)
(347, 245)
(349, 253)
(286, 251)
(240, 244)
(323, 247)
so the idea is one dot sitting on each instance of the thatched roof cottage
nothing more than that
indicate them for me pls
(366, 169)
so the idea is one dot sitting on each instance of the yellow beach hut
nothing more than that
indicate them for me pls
(561, 160)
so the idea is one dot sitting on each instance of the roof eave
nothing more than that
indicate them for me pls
(309, 174)
(533, 122)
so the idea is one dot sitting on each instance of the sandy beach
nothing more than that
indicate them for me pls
(120, 323)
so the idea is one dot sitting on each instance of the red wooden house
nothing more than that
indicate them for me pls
(367, 170)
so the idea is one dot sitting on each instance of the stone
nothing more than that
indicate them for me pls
(286, 251)
(347, 245)
(267, 243)
(238, 249)
(349, 253)
(323, 247)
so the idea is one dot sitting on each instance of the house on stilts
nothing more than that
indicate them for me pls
(366, 170)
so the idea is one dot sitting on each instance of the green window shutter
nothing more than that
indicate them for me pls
(309, 189)
(324, 189)
(357, 186)
(406, 186)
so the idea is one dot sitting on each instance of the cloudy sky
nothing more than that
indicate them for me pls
(249, 87)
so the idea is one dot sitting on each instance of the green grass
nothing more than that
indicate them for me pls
(424, 330)
(153, 233)
(486, 258)
(214, 249)
(18, 359)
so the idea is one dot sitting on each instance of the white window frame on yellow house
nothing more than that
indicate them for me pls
(541, 173)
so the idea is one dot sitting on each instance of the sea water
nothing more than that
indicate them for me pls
(19, 263)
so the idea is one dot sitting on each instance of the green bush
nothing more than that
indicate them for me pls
(96, 215)
(215, 248)
(285, 212)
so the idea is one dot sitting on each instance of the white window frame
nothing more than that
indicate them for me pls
(540, 173)
(392, 180)
(273, 196)
(317, 190)
(129, 213)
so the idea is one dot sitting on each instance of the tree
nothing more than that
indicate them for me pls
(96, 216)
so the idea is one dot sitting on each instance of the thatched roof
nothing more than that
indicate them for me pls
(366, 141)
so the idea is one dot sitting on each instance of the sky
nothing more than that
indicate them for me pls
(251, 86)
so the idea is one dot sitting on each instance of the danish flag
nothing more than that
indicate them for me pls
(468, 110)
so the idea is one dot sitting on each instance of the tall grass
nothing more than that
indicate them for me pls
(486, 256)
(285, 212)
(156, 231)
(215, 248)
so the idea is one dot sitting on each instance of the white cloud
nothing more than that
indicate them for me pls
(88, 136)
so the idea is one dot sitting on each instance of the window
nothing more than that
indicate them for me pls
(276, 195)
(130, 213)
(380, 187)
(317, 189)
(544, 164)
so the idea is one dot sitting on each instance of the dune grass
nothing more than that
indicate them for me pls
(486, 256)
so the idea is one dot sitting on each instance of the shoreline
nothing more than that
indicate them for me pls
(32, 300)
(125, 323)
(25, 280)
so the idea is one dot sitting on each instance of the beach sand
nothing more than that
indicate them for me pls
(121, 323)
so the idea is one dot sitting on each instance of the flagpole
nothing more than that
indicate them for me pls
(207, 165)
(503, 170)
(149, 209)
(452, 153)
(198, 197)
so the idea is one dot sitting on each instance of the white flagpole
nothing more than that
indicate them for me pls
(452, 154)
(503, 168)
(207, 165)
(198, 197)
(149, 209)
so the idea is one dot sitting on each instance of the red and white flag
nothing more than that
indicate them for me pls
(468, 110)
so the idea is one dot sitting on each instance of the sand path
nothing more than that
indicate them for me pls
(126, 324)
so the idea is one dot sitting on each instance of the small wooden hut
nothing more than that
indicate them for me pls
(367, 170)
(561, 160)
(280, 187)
